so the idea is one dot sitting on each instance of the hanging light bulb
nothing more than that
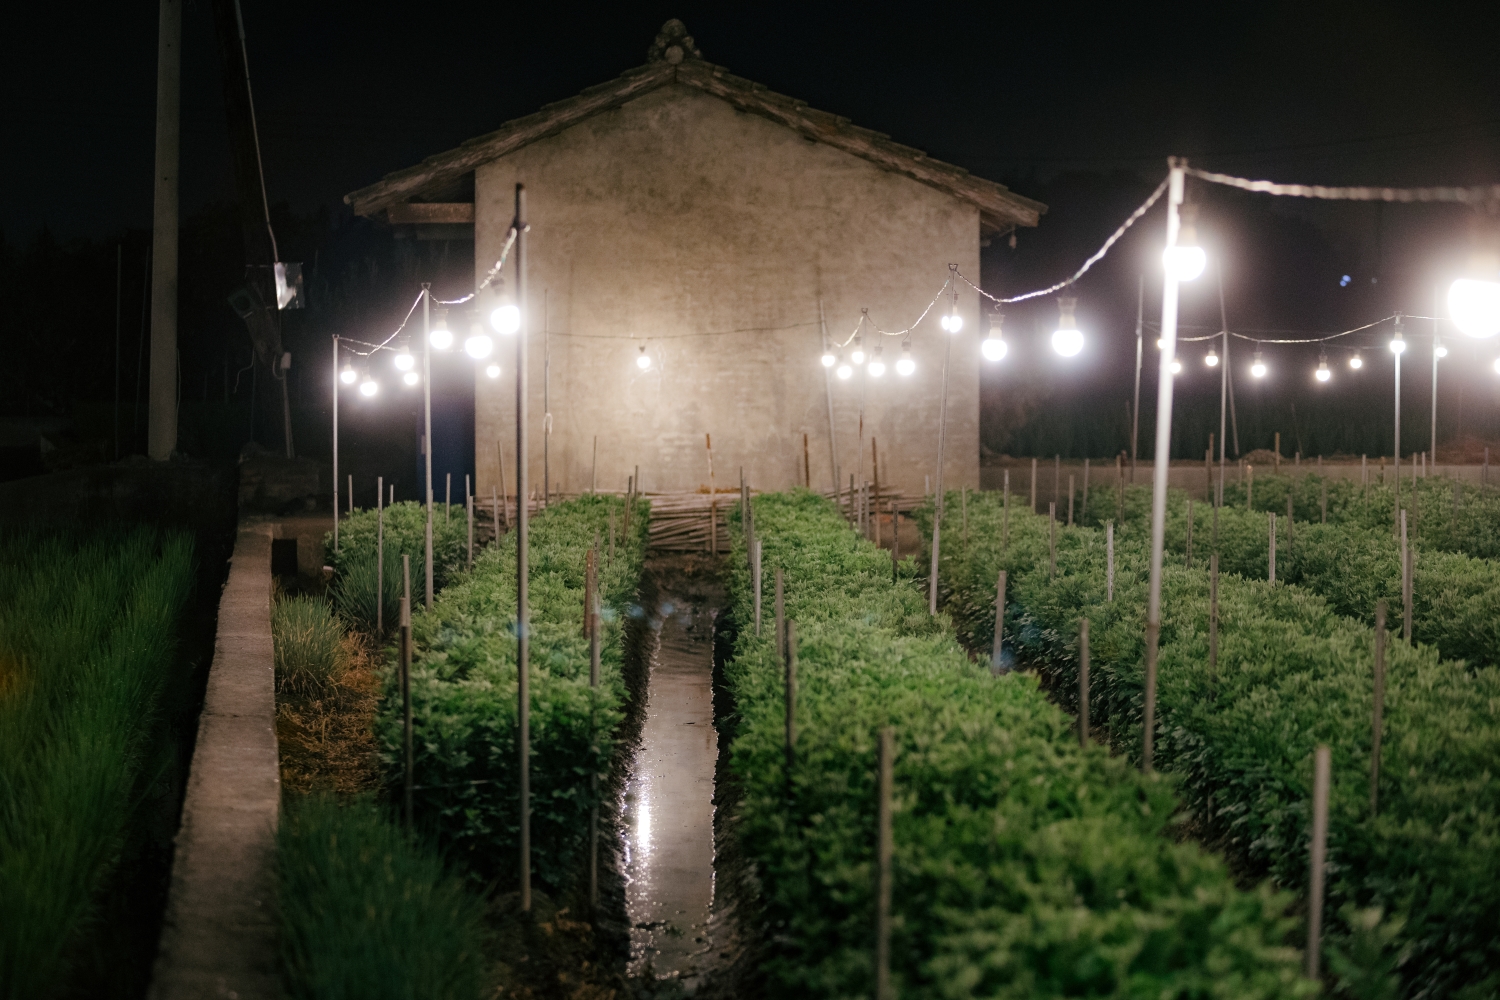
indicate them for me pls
(1212, 358)
(404, 361)
(643, 360)
(1068, 340)
(876, 367)
(952, 321)
(828, 358)
(1257, 366)
(493, 371)
(905, 366)
(1398, 343)
(1438, 349)
(1160, 343)
(993, 346)
(1474, 299)
(1186, 260)
(411, 378)
(1323, 374)
(348, 375)
(478, 345)
(858, 354)
(441, 337)
(843, 370)
(506, 319)
(1175, 367)
(1356, 361)
(369, 386)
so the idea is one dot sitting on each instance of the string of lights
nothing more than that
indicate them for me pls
(490, 275)
(1480, 194)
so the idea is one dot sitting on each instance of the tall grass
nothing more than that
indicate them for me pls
(87, 635)
(308, 639)
(367, 914)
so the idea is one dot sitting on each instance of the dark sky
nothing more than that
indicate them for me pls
(1374, 92)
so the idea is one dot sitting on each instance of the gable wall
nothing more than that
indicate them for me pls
(710, 236)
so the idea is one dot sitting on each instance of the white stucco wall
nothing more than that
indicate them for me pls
(676, 219)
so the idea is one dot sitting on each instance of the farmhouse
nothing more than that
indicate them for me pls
(725, 233)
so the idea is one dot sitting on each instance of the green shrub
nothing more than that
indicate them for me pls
(464, 694)
(366, 913)
(87, 652)
(1024, 866)
(405, 533)
(354, 588)
(308, 639)
(1292, 673)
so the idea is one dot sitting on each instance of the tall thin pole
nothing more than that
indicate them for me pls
(546, 406)
(119, 276)
(833, 447)
(1317, 852)
(523, 519)
(335, 384)
(379, 556)
(1162, 458)
(937, 510)
(406, 735)
(1398, 415)
(1228, 379)
(1135, 414)
(1436, 344)
(1223, 384)
(427, 424)
(884, 788)
(161, 426)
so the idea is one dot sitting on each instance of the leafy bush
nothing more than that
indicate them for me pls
(1024, 866)
(366, 913)
(464, 694)
(405, 534)
(1292, 673)
(87, 652)
(307, 639)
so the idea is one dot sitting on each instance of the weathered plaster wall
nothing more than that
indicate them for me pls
(710, 236)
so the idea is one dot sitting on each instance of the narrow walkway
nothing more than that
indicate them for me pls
(669, 813)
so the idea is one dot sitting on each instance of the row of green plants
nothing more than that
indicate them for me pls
(355, 564)
(1293, 671)
(1024, 865)
(463, 693)
(88, 661)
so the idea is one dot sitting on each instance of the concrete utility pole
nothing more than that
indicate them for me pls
(161, 438)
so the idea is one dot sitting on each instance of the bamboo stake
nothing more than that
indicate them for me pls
(1290, 521)
(1271, 562)
(1057, 479)
(1322, 761)
(405, 626)
(1188, 564)
(997, 663)
(379, 556)
(1249, 486)
(1120, 481)
(1070, 500)
(469, 516)
(963, 513)
(1276, 462)
(1033, 486)
(895, 541)
(1323, 502)
(875, 499)
(1083, 514)
(1109, 557)
(806, 464)
(594, 468)
(780, 610)
(885, 759)
(1213, 618)
(1005, 516)
(1083, 682)
(448, 496)
(755, 571)
(789, 658)
(592, 622)
(1406, 582)
(504, 492)
(351, 495)
(1377, 729)
(932, 580)
(1052, 541)
(495, 512)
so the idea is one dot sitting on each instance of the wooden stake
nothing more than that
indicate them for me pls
(469, 516)
(1271, 562)
(1070, 500)
(1406, 583)
(1033, 486)
(885, 760)
(591, 627)
(1052, 541)
(1083, 514)
(405, 626)
(594, 468)
(1377, 729)
(589, 573)
(755, 570)
(997, 663)
(1109, 564)
(780, 609)
(610, 559)
(1289, 522)
(351, 496)
(875, 498)
(1323, 503)
(448, 496)
(1188, 564)
(1276, 462)
(806, 465)
(1005, 516)
(504, 492)
(1083, 682)
(895, 542)
(789, 658)
(1322, 765)
(1213, 618)
(379, 556)
(1249, 486)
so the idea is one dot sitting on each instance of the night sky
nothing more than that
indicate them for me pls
(1077, 107)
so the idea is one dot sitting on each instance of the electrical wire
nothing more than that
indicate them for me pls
(382, 345)
(1478, 194)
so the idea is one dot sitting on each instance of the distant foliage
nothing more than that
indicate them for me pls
(405, 534)
(308, 640)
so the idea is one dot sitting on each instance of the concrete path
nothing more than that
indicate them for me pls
(218, 937)
(669, 815)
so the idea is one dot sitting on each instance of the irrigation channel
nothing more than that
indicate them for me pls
(668, 821)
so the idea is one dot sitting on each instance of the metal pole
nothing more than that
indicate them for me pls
(427, 427)
(1398, 418)
(1435, 345)
(405, 627)
(1162, 458)
(997, 664)
(1223, 384)
(119, 277)
(789, 655)
(937, 511)
(884, 786)
(833, 448)
(1213, 617)
(1109, 561)
(1135, 414)
(1083, 682)
(379, 556)
(1378, 729)
(546, 406)
(335, 442)
(1322, 759)
(161, 424)
(523, 519)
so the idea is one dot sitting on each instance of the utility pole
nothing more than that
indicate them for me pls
(161, 435)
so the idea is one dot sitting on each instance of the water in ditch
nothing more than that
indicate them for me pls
(669, 802)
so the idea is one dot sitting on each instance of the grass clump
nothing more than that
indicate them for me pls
(366, 913)
(355, 564)
(308, 640)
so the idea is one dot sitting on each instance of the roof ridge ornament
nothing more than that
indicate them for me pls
(673, 44)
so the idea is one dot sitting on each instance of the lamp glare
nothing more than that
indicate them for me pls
(506, 319)
(348, 375)
(1475, 307)
(493, 371)
(410, 378)
(478, 346)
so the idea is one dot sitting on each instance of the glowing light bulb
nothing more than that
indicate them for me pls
(506, 319)
(1356, 361)
(906, 365)
(952, 322)
(369, 386)
(1160, 343)
(1068, 340)
(1323, 374)
(478, 345)
(858, 354)
(643, 360)
(1497, 365)
(1438, 348)
(493, 371)
(828, 359)
(876, 367)
(1398, 345)
(843, 370)
(1211, 359)
(1175, 367)
(1186, 260)
(411, 378)
(992, 347)
(348, 375)
(1475, 307)
(403, 360)
(1258, 367)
